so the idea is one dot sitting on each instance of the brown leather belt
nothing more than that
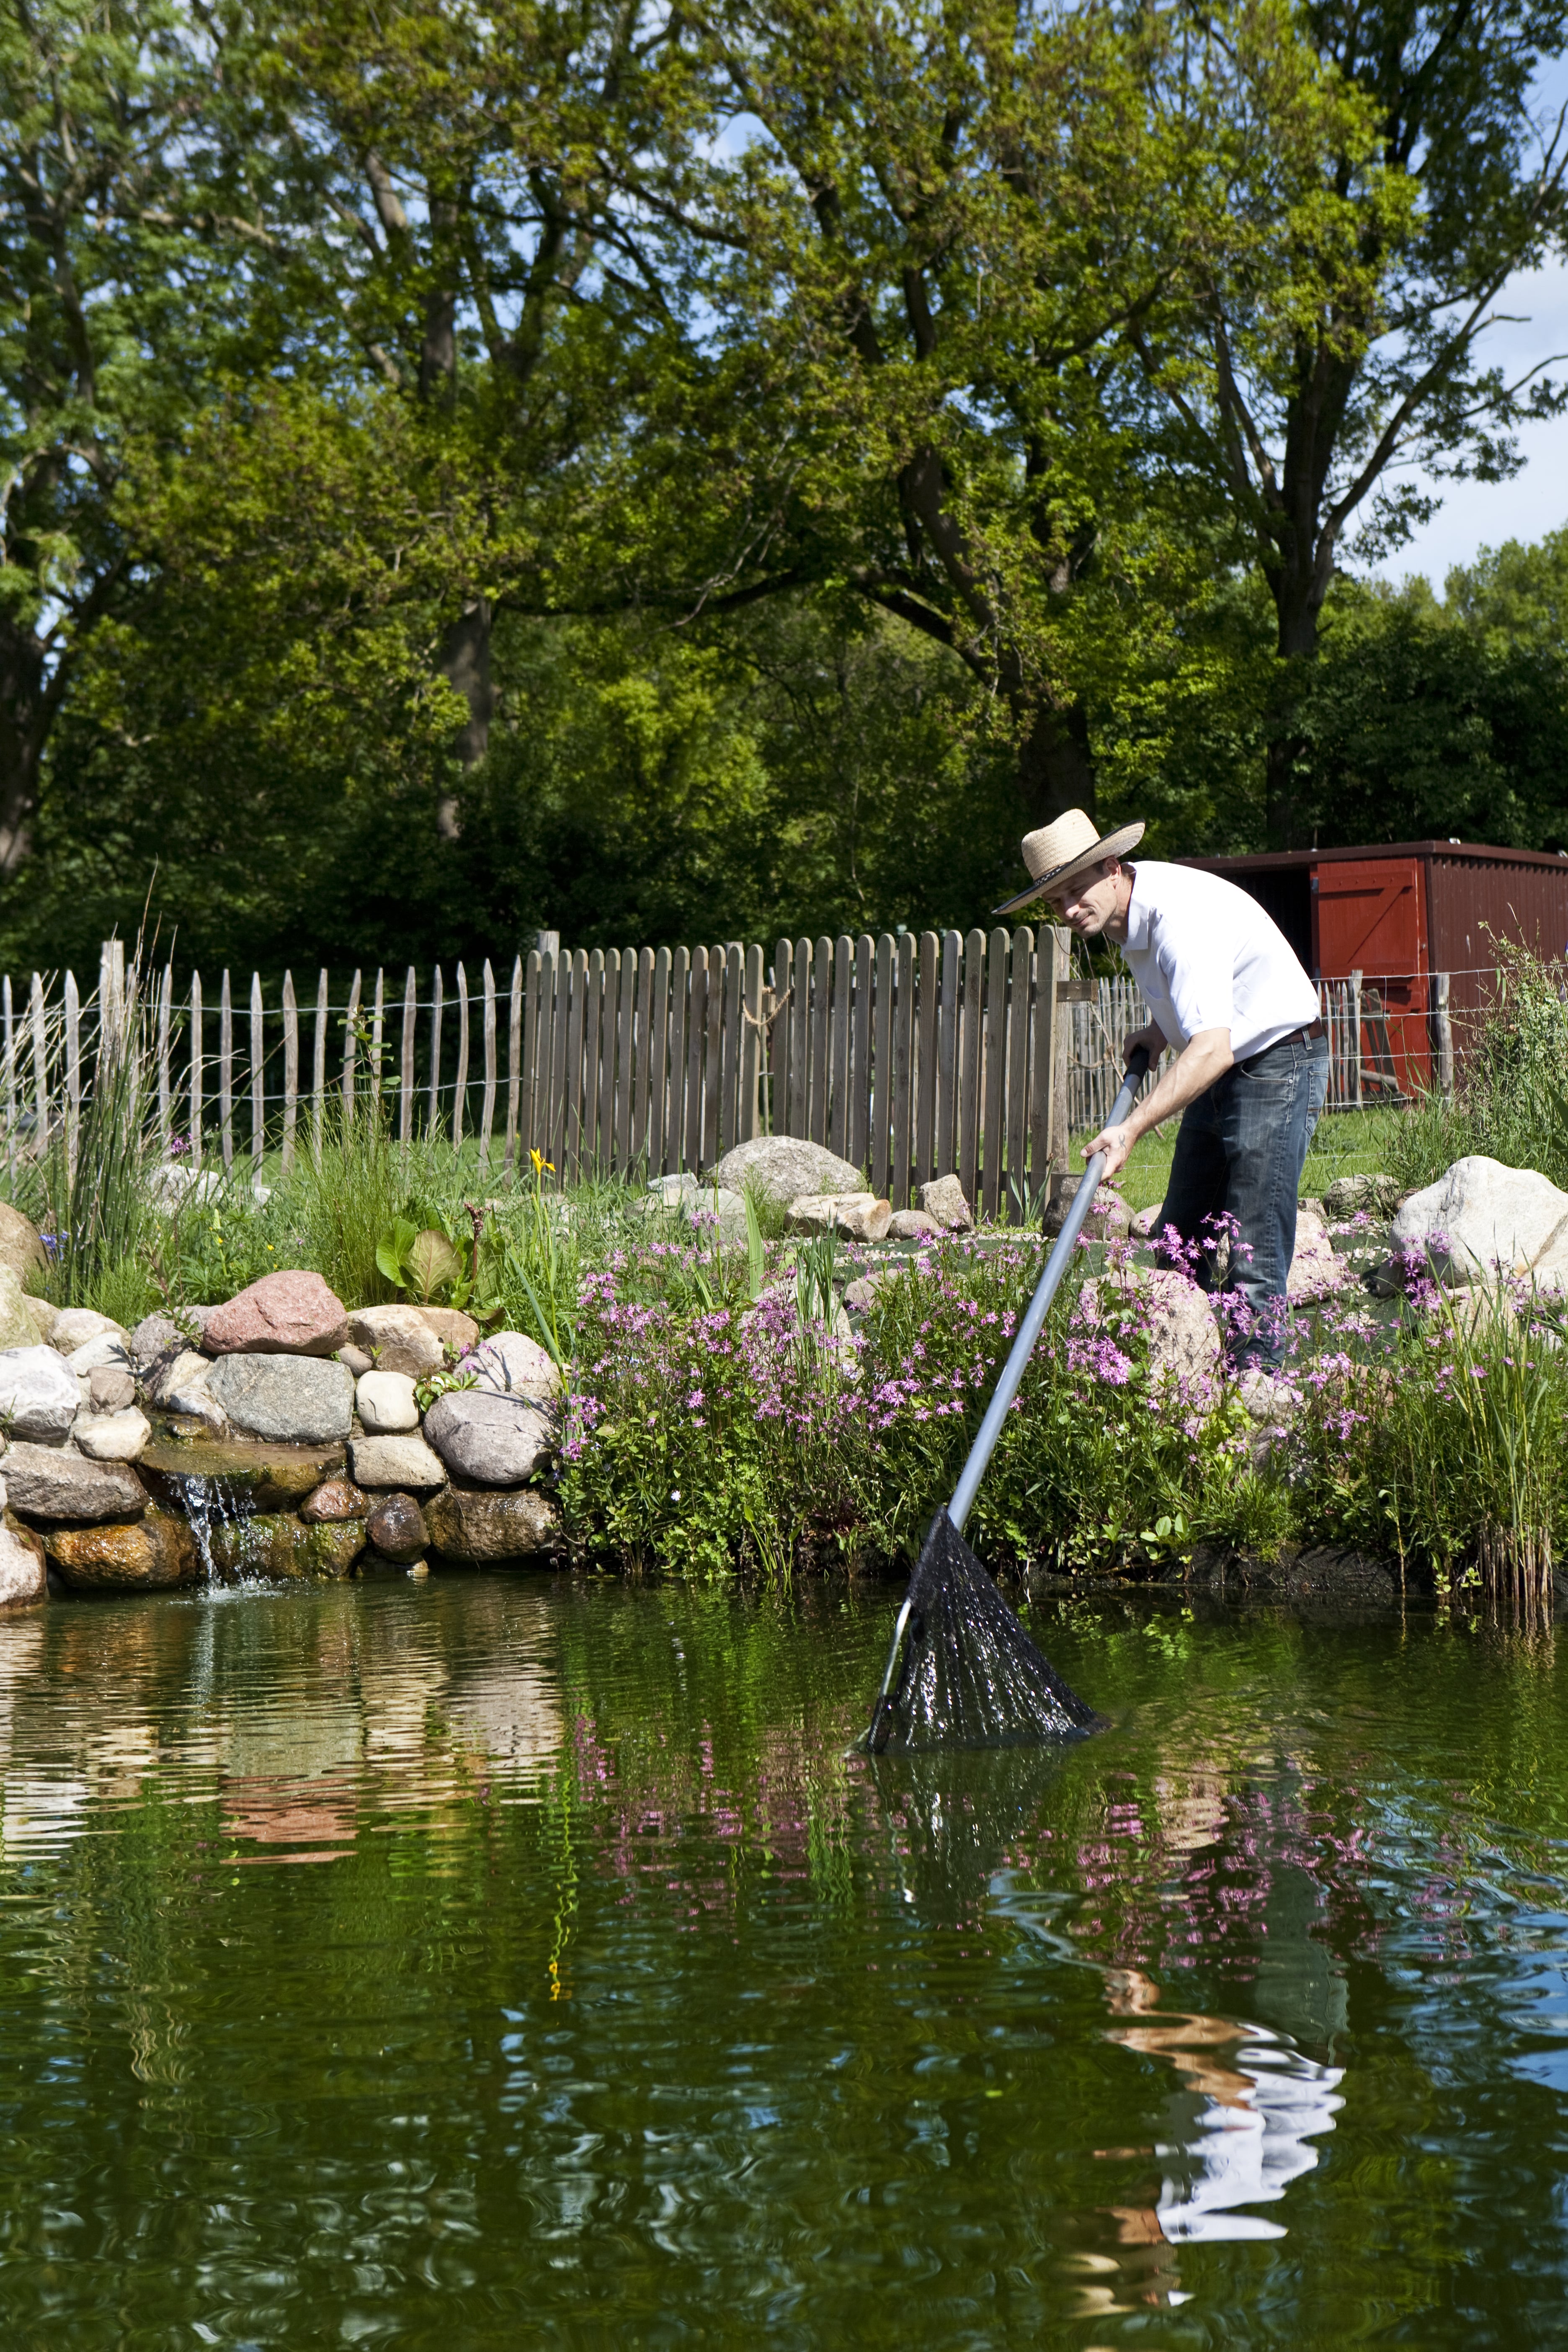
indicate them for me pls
(1293, 1037)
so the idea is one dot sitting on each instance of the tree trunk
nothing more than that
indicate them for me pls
(1298, 570)
(1056, 767)
(25, 715)
(466, 666)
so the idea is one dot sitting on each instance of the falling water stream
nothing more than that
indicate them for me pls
(512, 1960)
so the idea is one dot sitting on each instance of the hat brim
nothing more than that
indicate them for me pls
(1114, 844)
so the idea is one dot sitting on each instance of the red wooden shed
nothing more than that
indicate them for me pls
(1412, 922)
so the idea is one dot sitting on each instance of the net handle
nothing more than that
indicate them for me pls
(1022, 1348)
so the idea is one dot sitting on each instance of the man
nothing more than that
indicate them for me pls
(1251, 1070)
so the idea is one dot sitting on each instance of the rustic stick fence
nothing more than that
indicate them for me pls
(911, 1056)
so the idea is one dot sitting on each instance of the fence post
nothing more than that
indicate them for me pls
(165, 1090)
(10, 1084)
(1356, 1032)
(319, 1067)
(433, 1119)
(1017, 1191)
(524, 1001)
(460, 1083)
(487, 1109)
(225, 1071)
(377, 1030)
(350, 1049)
(1444, 1033)
(195, 1086)
(257, 1080)
(405, 1063)
(290, 1069)
(73, 1074)
(859, 1071)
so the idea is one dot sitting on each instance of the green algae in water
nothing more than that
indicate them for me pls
(505, 1960)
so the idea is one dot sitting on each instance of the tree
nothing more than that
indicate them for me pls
(1341, 339)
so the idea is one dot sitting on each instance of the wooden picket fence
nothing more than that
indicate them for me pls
(909, 1056)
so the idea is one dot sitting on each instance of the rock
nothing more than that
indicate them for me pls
(157, 1552)
(1183, 1337)
(155, 1338)
(45, 1481)
(291, 1313)
(1147, 1223)
(1315, 1270)
(21, 1244)
(45, 1315)
(298, 1399)
(173, 1182)
(39, 1397)
(106, 1353)
(268, 1477)
(1270, 1401)
(113, 1436)
(385, 1402)
(398, 1339)
(783, 1168)
(176, 1377)
(860, 1294)
(378, 1462)
(944, 1200)
(912, 1226)
(1480, 1217)
(24, 1574)
(278, 1544)
(716, 1209)
(858, 1216)
(335, 1499)
(672, 1192)
(497, 1441)
(356, 1361)
(508, 1363)
(451, 1326)
(18, 1324)
(110, 1390)
(475, 1526)
(1109, 1219)
(75, 1325)
(396, 1529)
(1352, 1196)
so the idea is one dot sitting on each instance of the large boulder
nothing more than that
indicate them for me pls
(1480, 1219)
(281, 1545)
(158, 1338)
(112, 1436)
(406, 1462)
(1183, 1337)
(76, 1327)
(267, 1477)
(18, 1324)
(39, 1399)
(21, 1244)
(476, 1525)
(783, 1167)
(297, 1399)
(46, 1482)
(1315, 1270)
(109, 1351)
(912, 1226)
(451, 1325)
(110, 1390)
(157, 1552)
(943, 1198)
(396, 1527)
(385, 1402)
(180, 1384)
(398, 1339)
(24, 1574)
(510, 1363)
(496, 1441)
(291, 1313)
(858, 1216)
(334, 1500)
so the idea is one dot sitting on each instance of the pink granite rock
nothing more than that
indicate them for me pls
(292, 1313)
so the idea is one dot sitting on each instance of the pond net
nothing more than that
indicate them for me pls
(970, 1675)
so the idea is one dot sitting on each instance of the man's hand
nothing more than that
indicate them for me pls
(1153, 1039)
(1116, 1143)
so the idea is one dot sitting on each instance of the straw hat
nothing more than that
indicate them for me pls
(1059, 852)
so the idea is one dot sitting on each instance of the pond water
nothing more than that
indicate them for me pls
(511, 1960)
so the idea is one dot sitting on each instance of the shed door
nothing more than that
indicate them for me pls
(1370, 916)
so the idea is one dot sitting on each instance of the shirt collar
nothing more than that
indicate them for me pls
(1137, 914)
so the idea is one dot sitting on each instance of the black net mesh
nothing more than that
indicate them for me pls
(970, 1677)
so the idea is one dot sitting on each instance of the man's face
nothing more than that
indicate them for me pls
(1088, 902)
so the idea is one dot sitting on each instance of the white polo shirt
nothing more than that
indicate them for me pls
(1207, 957)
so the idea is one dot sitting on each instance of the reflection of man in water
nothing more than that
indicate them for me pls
(1253, 2134)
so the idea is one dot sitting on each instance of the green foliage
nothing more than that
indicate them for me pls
(1513, 1103)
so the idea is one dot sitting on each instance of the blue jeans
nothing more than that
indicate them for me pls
(1240, 1151)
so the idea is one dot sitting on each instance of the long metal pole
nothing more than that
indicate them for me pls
(1022, 1348)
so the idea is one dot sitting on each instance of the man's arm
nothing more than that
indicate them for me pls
(1205, 1059)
